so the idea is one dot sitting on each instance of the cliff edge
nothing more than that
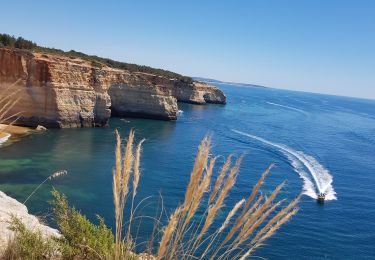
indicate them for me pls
(10, 207)
(60, 91)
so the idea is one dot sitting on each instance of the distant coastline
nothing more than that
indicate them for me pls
(215, 81)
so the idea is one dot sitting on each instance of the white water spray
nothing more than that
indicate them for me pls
(180, 112)
(322, 179)
(288, 107)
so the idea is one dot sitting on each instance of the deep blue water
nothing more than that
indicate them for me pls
(302, 133)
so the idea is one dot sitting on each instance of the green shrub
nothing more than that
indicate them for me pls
(81, 237)
(28, 244)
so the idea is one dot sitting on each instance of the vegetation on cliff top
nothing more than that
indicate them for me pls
(7, 40)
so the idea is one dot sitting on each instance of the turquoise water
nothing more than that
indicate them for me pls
(316, 141)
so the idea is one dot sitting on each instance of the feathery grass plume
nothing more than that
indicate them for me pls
(136, 177)
(269, 228)
(276, 218)
(248, 222)
(127, 166)
(224, 225)
(196, 174)
(257, 187)
(241, 220)
(137, 172)
(168, 233)
(52, 176)
(7, 102)
(245, 211)
(269, 233)
(257, 213)
(231, 214)
(220, 178)
(266, 204)
(201, 189)
(121, 178)
(117, 193)
(194, 193)
(228, 184)
(258, 222)
(183, 239)
(57, 174)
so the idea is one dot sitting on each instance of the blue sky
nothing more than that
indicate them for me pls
(325, 46)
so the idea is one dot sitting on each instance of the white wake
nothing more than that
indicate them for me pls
(321, 181)
(287, 107)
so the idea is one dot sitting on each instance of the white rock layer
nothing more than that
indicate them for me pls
(9, 207)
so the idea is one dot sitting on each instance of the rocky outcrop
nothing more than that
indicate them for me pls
(10, 207)
(189, 92)
(59, 91)
(141, 101)
(141, 95)
(199, 93)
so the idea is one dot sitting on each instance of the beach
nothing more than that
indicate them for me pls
(6, 131)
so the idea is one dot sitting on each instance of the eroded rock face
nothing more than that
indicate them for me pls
(141, 95)
(53, 92)
(10, 207)
(141, 101)
(58, 91)
(199, 93)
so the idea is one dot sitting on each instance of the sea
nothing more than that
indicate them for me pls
(318, 143)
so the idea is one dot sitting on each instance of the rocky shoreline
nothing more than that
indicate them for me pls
(58, 91)
(10, 207)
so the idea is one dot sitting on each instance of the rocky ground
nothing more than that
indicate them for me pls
(9, 207)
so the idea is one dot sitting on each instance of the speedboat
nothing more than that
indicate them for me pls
(321, 198)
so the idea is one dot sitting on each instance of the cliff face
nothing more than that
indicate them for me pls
(140, 95)
(54, 92)
(199, 93)
(58, 91)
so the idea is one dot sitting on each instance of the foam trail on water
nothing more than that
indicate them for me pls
(287, 107)
(321, 181)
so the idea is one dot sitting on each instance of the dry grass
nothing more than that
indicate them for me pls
(197, 228)
(127, 167)
(9, 96)
(52, 176)
(247, 225)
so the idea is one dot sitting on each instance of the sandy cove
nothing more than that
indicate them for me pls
(6, 131)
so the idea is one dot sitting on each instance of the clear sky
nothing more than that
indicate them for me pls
(325, 46)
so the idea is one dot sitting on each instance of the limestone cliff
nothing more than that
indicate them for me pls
(59, 91)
